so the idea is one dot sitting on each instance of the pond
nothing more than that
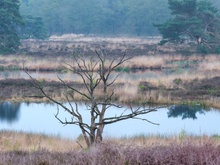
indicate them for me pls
(39, 118)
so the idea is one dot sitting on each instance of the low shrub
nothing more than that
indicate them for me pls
(105, 154)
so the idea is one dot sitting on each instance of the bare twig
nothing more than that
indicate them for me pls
(93, 79)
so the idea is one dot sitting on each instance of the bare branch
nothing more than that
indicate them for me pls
(38, 86)
(74, 89)
(79, 123)
(145, 120)
(131, 115)
(95, 75)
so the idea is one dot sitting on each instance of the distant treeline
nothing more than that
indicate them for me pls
(101, 17)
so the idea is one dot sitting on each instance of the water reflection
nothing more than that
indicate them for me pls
(185, 111)
(9, 112)
(39, 118)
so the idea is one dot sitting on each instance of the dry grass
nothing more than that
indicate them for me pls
(210, 63)
(105, 154)
(42, 64)
(14, 141)
(213, 102)
(132, 80)
(19, 141)
(127, 93)
(199, 67)
(79, 44)
(31, 63)
(20, 148)
(202, 64)
(146, 62)
(210, 66)
(160, 140)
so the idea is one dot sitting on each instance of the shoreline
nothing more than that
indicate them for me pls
(194, 77)
(198, 91)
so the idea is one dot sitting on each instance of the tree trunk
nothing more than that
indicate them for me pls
(99, 134)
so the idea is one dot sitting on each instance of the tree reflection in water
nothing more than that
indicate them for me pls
(9, 112)
(185, 111)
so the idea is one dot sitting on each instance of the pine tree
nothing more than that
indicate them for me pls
(10, 18)
(194, 21)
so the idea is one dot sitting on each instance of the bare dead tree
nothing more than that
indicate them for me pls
(95, 76)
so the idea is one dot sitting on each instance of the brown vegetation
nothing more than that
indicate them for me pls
(19, 141)
(19, 148)
(113, 154)
(201, 83)
(184, 67)
(140, 62)
(205, 91)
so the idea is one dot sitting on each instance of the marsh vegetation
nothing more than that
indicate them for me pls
(157, 74)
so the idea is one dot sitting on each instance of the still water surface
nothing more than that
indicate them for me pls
(39, 118)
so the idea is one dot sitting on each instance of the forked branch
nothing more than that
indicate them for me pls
(95, 77)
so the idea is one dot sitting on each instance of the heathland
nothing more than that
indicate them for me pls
(23, 148)
(181, 74)
(172, 74)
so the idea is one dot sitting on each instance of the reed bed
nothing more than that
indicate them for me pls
(158, 61)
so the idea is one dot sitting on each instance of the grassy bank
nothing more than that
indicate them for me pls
(30, 142)
(41, 149)
(196, 91)
(19, 141)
